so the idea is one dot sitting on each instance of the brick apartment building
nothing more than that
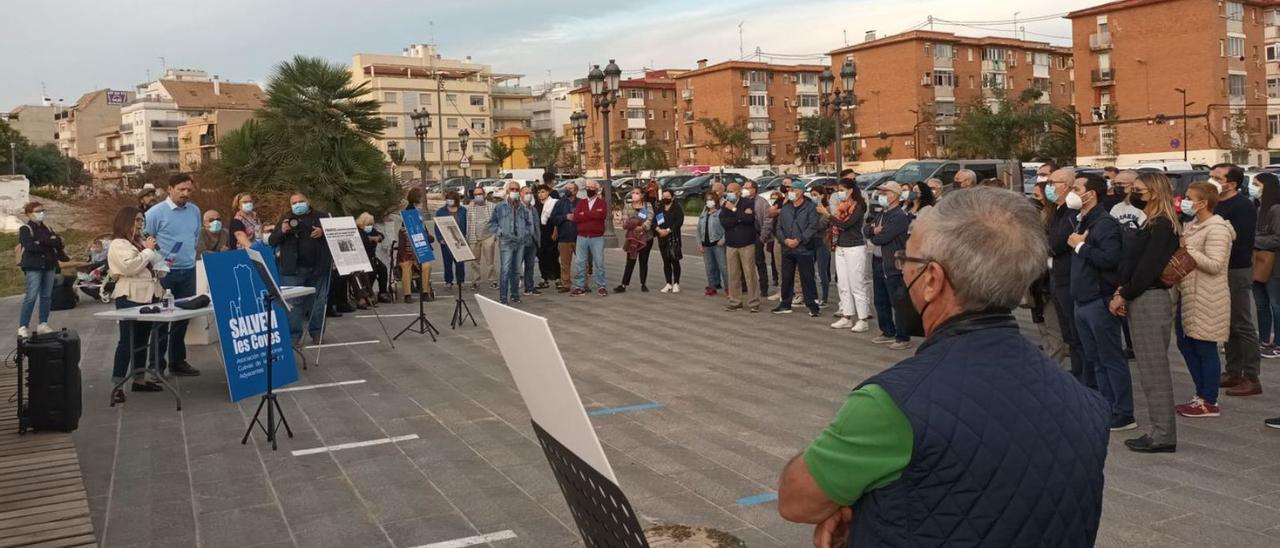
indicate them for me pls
(768, 98)
(1132, 58)
(645, 112)
(937, 75)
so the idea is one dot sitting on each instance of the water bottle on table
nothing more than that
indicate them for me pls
(167, 301)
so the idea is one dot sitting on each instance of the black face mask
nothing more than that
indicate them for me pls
(905, 316)
(1137, 201)
(591, 193)
(666, 201)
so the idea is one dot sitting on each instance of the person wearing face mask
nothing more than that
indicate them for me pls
(129, 258)
(514, 228)
(548, 250)
(1059, 226)
(1234, 206)
(1128, 214)
(529, 255)
(371, 237)
(214, 238)
(780, 199)
(406, 257)
(303, 259)
(797, 231)
(741, 237)
(903, 443)
(42, 248)
(638, 230)
(851, 259)
(1202, 322)
(1265, 188)
(452, 268)
(822, 251)
(752, 203)
(1096, 243)
(711, 239)
(1116, 191)
(921, 198)
(889, 232)
(566, 233)
(1145, 302)
(244, 226)
(589, 215)
(483, 243)
(668, 220)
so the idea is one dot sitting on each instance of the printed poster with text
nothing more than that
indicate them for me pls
(236, 291)
(417, 235)
(344, 244)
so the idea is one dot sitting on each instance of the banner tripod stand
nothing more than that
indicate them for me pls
(461, 312)
(420, 325)
(269, 399)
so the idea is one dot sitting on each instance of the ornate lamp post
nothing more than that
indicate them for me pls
(421, 124)
(604, 91)
(579, 120)
(835, 100)
(464, 163)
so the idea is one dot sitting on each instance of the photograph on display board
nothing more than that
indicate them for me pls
(454, 238)
(343, 238)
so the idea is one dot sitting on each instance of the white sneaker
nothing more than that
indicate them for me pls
(797, 300)
(860, 327)
(43, 329)
(666, 288)
(675, 288)
(842, 323)
(775, 297)
(23, 333)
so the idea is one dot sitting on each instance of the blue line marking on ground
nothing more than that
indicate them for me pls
(624, 409)
(757, 499)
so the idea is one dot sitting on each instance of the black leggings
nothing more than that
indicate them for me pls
(644, 266)
(670, 268)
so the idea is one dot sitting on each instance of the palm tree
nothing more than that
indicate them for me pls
(499, 151)
(543, 150)
(313, 135)
(732, 140)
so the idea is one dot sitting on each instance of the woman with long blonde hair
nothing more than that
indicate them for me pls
(245, 227)
(1147, 302)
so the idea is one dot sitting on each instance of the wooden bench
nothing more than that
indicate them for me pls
(42, 496)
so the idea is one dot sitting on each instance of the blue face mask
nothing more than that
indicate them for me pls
(1187, 206)
(300, 208)
(842, 196)
(731, 198)
(368, 229)
(882, 200)
(215, 226)
(1051, 194)
(247, 207)
(449, 203)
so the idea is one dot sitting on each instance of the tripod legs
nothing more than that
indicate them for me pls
(420, 325)
(461, 312)
(272, 426)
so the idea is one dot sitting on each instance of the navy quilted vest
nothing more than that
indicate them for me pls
(1008, 448)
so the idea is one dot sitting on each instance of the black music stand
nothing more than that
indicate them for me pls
(269, 399)
(461, 312)
(601, 510)
(420, 325)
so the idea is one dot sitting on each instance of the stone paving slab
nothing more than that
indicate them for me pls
(738, 395)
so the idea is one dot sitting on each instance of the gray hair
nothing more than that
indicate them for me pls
(968, 174)
(990, 242)
(1128, 173)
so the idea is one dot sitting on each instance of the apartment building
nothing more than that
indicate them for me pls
(769, 98)
(149, 124)
(1142, 55)
(79, 125)
(198, 138)
(35, 122)
(464, 93)
(106, 164)
(645, 113)
(551, 109)
(1271, 48)
(912, 87)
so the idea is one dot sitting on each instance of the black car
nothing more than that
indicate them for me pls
(461, 185)
(673, 181)
(1181, 179)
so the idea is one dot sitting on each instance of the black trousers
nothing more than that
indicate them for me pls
(670, 266)
(1066, 308)
(549, 259)
(762, 267)
(380, 272)
(643, 257)
(804, 263)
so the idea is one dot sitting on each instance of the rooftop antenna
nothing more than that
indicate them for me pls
(845, 33)
(163, 65)
(930, 20)
(741, 55)
(432, 26)
(1015, 24)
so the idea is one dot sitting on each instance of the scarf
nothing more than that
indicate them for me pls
(251, 225)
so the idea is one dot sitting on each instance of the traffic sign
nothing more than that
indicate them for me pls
(1175, 142)
(465, 163)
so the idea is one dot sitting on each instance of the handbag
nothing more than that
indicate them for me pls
(1264, 262)
(1180, 264)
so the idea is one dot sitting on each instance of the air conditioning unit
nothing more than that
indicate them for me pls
(926, 81)
(484, 108)
(746, 84)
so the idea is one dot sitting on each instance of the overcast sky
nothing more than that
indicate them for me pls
(75, 46)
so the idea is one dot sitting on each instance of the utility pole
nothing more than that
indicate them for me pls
(439, 110)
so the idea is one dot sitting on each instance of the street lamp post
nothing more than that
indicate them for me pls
(579, 120)
(421, 124)
(837, 100)
(13, 158)
(604, 91)
(1185, 104)
(464, 163)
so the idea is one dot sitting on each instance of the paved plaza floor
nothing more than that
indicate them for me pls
(722, 401)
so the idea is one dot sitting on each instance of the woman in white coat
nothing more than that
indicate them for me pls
(129, 260)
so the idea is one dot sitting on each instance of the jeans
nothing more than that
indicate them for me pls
(1266, 297)
(593, 248)
(714, 261)
(1100, 336)
(39, 286)
(453, 269)
(791, 262)
(883, 299)
(823, 266)
(174, 335)
(1202, 361)
(1066, 309)
(529, 256)
(850, 285)
(141, 332)
(895, 286)
(309, 308)
(509, 272)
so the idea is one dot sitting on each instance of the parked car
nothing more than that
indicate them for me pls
(873, 178)
(673, 181)
(461, 185)
(810, 182)
(699, 185)
(945, 170)
(1181, 179)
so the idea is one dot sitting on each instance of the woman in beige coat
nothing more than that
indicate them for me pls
(1204, 311)
(129, 260)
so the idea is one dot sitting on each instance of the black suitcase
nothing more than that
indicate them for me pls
(53, 382)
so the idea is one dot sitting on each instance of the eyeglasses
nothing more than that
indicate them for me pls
(900, 259)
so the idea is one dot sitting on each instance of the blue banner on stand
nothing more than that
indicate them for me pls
(417, 235)
(236, 291)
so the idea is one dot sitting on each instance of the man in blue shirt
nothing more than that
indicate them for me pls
(175, 223)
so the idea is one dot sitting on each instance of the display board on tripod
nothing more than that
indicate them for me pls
(238, 281)
(345, 245)
(455, 238)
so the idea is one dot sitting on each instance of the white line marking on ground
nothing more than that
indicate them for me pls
(341, 446)
(313, 386)
(471, 541)
(331, 345)
(386, 315)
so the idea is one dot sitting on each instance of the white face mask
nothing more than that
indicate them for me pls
(793, 196)
(711, 204)
(1042, 178)
(746, 193)
(1074, 201)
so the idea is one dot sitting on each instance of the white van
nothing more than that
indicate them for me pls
(531, 175)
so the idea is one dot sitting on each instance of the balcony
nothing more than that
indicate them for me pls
(162, 146)
(688, 116)
(997, 65)
(944, 119)
(544, 125)
(944, 92)
(126, 148)
(756, 111)
(207, 140)
(1102, 77)
(126, 128)
(512, 90)
(512, 114)
(635, 123)
(166, 124)
(758, 87)
(1100, 41)
(635, 102)
(686, 93)
(806, 111)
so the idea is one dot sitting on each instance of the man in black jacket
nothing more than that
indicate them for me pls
(889, 233)
(1241, 348)
(740, 238)
(1061, 225)
(303, 259)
